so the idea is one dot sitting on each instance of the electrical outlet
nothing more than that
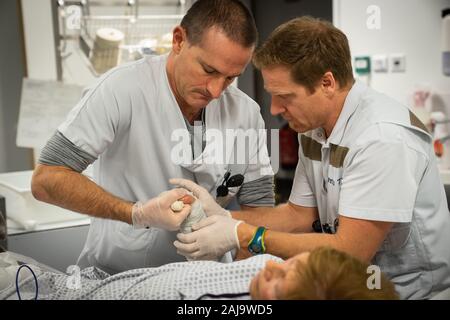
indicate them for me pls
(380, 63)
(362, 65)
(398, 62)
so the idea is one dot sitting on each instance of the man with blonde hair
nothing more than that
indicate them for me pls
(366, 181)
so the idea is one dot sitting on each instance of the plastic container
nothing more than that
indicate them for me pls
(106, 52)
(441, 139)
(23, 209)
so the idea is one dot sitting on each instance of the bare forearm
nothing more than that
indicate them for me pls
(71, 190)
(359, 238)
(287, 245)
(285, 217)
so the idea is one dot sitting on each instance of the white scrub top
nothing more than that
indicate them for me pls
(378, 164)
(127, 120)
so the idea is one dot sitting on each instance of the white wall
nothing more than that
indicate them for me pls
(412, 27)
(12, 70)
(39, 41)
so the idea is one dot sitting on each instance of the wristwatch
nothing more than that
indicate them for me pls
(256, 244)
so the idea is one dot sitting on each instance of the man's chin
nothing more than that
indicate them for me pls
(296, 128)
(199, 103)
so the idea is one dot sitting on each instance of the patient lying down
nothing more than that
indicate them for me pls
(322, 274)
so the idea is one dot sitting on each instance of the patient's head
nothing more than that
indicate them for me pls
(323, 274)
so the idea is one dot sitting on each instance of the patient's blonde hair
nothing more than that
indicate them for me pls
(334, 275)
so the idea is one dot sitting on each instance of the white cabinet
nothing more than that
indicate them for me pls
(57, 248)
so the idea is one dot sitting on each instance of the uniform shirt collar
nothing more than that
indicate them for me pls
(350, 105)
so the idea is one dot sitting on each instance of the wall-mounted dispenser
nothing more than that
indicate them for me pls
(446, 41)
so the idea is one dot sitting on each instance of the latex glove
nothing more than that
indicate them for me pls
(211, 238)
(210, 206)
(157, 212)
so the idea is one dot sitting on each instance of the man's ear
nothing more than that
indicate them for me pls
(328, 84)
(178, 39)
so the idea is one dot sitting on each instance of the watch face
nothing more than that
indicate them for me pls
(255, 248)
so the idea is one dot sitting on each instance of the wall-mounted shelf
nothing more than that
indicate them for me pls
(143, 35)
(146, 26)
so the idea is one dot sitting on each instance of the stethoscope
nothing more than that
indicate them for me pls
(229, 182)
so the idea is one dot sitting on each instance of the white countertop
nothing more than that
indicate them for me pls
(14, 228)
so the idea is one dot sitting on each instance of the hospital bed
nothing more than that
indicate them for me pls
(189, 280)
(183, 280)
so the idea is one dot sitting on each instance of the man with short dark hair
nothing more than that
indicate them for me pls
(366, 181)
(129, 123)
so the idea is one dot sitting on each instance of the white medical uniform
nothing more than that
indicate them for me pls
(127, 120)
(378, 164)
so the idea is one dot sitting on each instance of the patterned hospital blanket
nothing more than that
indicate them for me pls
(175, 281)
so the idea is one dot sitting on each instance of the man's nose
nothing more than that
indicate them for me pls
(215, 87)
(276, 107)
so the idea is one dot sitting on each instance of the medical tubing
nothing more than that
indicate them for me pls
(17, 281)
(223, 295)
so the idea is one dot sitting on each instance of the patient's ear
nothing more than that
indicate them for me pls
(268, 291)
(271, 294)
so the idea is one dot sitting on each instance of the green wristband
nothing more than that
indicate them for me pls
(256, 244)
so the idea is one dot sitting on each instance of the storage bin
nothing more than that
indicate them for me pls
(23, 209)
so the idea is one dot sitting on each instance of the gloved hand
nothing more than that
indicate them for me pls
(157, 213)
(211, 238)
(210, 206)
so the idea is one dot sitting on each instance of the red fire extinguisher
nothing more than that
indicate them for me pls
(288, 147)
